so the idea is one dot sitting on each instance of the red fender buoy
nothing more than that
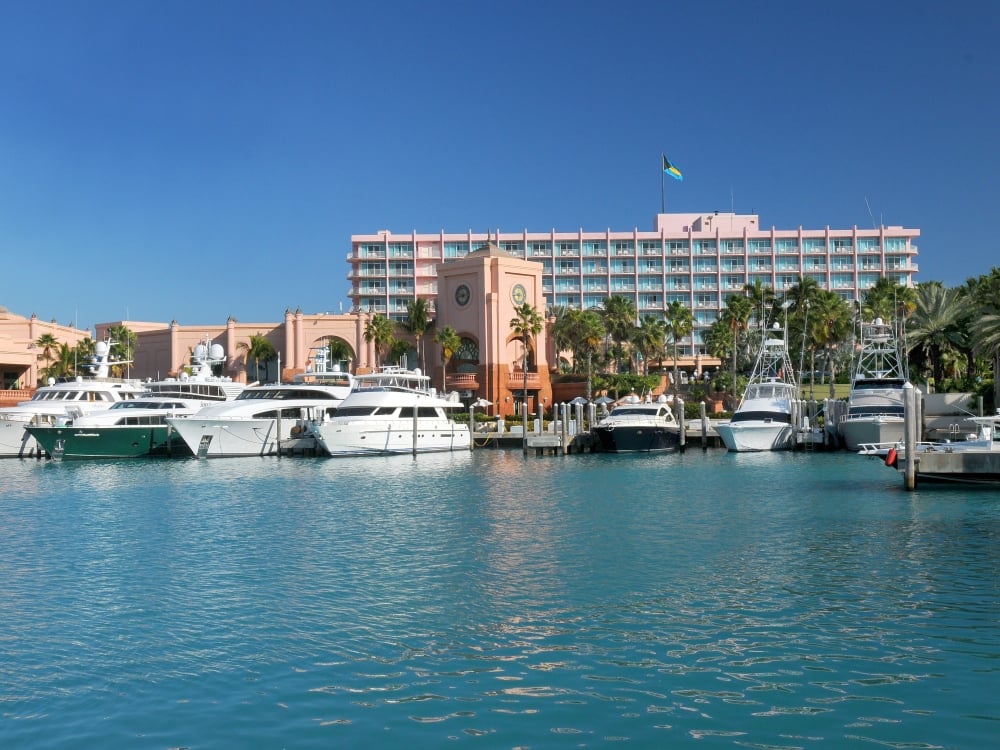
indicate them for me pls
(890, 458)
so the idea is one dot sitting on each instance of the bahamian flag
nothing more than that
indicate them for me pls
(670, 169)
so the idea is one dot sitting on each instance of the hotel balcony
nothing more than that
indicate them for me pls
(462, 381)
(515, 381)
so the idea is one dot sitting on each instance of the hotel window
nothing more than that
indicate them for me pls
(787, 246)
(868, 245)
(759, 246)
(567, 248)
(732, 282)
(842, 245)
(373, 286)
(705, 318)
(622, 265)
(590, 301)
(735, 265)
(567, 265)
(701, 299)
(372, 269)
(647, 247)
(732, 247)
(456, 249)
(674, 282)
(649, 302)
(867, 280)
(786, 281)
(540, 248)
(514, 248)
(705, 282)
(624, 248)
(704, 247)
(371, 251)
(401, 286)
(651, 265)
(678, 265)
(622, 284)
(788, 264)
(760, 264)
(595, 266)
(400, 268)
(595, 283)
(400, 250)
(595, 247)
(704, 265)
(568, 300)
(677, 247)
(567, 284)
(547, 266)
(682, 298)
(651, 283)
(842, 280)
(814, 245)
(819, 278)
(895, 244)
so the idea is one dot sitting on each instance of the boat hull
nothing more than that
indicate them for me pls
(118, 441)
(880, 429)
(750, 436)
(233, 438)
(378, 440)
(638, 439)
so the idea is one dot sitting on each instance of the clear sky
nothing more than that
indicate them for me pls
(193, 160)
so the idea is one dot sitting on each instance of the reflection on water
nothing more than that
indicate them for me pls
(769, 600)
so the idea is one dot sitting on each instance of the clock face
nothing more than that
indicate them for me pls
(462, 295)
(518, 294)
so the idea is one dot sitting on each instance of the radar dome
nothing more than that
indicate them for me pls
(101, 349)
(217, 352)
(200, 351)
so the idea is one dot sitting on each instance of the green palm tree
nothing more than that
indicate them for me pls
(449, 341)
(417, 322)
(48, 344)
(831, 320)
(261, 351)
(679, 323)
(762, 299)
(648, 340)
(527, 324)
(619, 319)
(888, 300)
(934, 327)
(379, 330)
(339, 350)
(737, 316)
(123, 346)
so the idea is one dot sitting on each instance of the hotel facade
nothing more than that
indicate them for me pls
(699, 260)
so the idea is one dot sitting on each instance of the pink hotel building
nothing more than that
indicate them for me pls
(697, 259)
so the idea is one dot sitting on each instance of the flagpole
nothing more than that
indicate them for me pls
(663, 174)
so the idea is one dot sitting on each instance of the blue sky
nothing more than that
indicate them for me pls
(196, 160)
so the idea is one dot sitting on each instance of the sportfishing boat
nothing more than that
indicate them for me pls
(57, 401)
(266, 419)
(636, 426)
(392, 410)
(138, 427)
(875, 402)
(763, 419)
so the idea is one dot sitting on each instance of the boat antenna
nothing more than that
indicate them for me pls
(870, 213)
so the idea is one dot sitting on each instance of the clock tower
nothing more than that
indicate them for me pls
(478, 296)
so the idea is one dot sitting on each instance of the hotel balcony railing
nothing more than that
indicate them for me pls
(462, 381)
(515, 380)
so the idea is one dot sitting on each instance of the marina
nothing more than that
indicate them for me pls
(778, 599)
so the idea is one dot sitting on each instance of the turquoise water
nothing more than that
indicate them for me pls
(488, 600)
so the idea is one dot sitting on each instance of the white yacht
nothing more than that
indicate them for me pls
(392, 410)
(763, 419)
(636, 426)
(264, 419)
(57, 401)
(875, 402)
(138, 427)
